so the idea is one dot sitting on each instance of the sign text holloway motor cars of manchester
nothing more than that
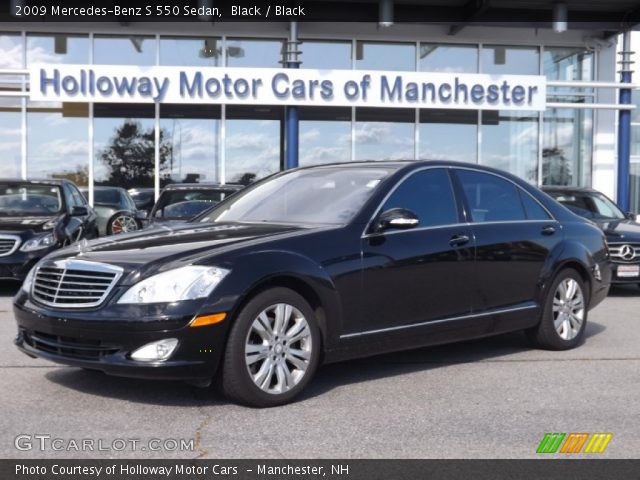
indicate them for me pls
(272, 86)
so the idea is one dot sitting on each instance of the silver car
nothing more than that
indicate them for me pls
(117, 212)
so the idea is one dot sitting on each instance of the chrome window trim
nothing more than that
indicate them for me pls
(75, 264)
(16, 245)
(467, 224)
(499, 311)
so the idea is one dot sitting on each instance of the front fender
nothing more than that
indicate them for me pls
(257, 270)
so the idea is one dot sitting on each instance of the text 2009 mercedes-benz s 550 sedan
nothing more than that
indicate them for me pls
(318, 265)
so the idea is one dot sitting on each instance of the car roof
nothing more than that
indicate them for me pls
(203, 186)
(37, 181)
(568, 189)
(106, 187)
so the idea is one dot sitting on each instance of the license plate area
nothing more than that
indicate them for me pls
(628, 271)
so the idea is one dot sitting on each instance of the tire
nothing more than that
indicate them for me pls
(250, 375)
(563, 328)
(122, 222)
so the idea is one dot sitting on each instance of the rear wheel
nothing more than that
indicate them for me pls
(122, 223)
(565, 314)
(272, 351)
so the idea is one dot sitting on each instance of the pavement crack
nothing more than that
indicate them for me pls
(204, 423)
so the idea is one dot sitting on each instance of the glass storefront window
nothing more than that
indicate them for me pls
(325, 135)
(124, 145)
(191, 52)
(124, 50)
(243, 52)
(635, 187)
(57, 48)
(567, 147)
(385, 134)
(253, 142)
(448, 58)
(510, 142)
(567, 137)
(11, 56)
(325, 55)
(10, 137)
(193, 134)
(385, 56)
(448, 135)
(503, 60)
(57, 141)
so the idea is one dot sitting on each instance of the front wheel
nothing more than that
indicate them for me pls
(273, 349)
(564, 317)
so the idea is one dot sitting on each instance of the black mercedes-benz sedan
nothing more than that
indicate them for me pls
(315, 265)
(37, 217)
(622, 229)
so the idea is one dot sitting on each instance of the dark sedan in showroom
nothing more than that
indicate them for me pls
(622, 229)
(180, 202)
(319, 264)
(37, 217)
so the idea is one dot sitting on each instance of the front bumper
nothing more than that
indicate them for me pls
(17, 265)
(106, 345)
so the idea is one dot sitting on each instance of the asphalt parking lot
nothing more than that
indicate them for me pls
(492, 398)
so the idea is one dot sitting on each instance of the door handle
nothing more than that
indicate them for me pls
(458, 240)
(548, 230)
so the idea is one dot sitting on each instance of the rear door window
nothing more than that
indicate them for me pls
(491, 198)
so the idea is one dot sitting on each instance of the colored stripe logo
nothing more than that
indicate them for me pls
(574, 443)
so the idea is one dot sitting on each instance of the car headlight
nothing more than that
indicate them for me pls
(28, 281)
(38, 243)
(185, 283)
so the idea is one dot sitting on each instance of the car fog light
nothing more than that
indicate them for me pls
(155, 351)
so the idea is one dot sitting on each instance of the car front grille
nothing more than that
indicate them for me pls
(8, 244)
(69, 347)
(625, 252)
(74, 283)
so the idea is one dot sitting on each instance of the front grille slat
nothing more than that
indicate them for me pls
(625, 252)
(81, 349)
(74, 283)
(8, 244)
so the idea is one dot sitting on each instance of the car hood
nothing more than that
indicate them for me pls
(621, 230)
(164, 247)
(22, 224)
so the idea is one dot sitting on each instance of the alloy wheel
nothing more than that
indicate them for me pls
(278, 348)
(124, 224)
(568, 309)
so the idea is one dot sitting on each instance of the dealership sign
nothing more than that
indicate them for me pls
(271, 86)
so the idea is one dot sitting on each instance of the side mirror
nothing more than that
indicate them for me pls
(141, 214)
(79, 211)
(632, 216)
(399, 218)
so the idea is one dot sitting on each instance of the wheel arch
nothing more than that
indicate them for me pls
(265, 270)
(572, 255)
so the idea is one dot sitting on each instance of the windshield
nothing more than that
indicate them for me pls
(325, 195)
(590, 205)
(186, 204)
(29, 199)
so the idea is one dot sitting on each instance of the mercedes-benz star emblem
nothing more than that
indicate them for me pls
(627, 252)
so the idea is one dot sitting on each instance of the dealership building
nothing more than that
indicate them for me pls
(146, 104)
